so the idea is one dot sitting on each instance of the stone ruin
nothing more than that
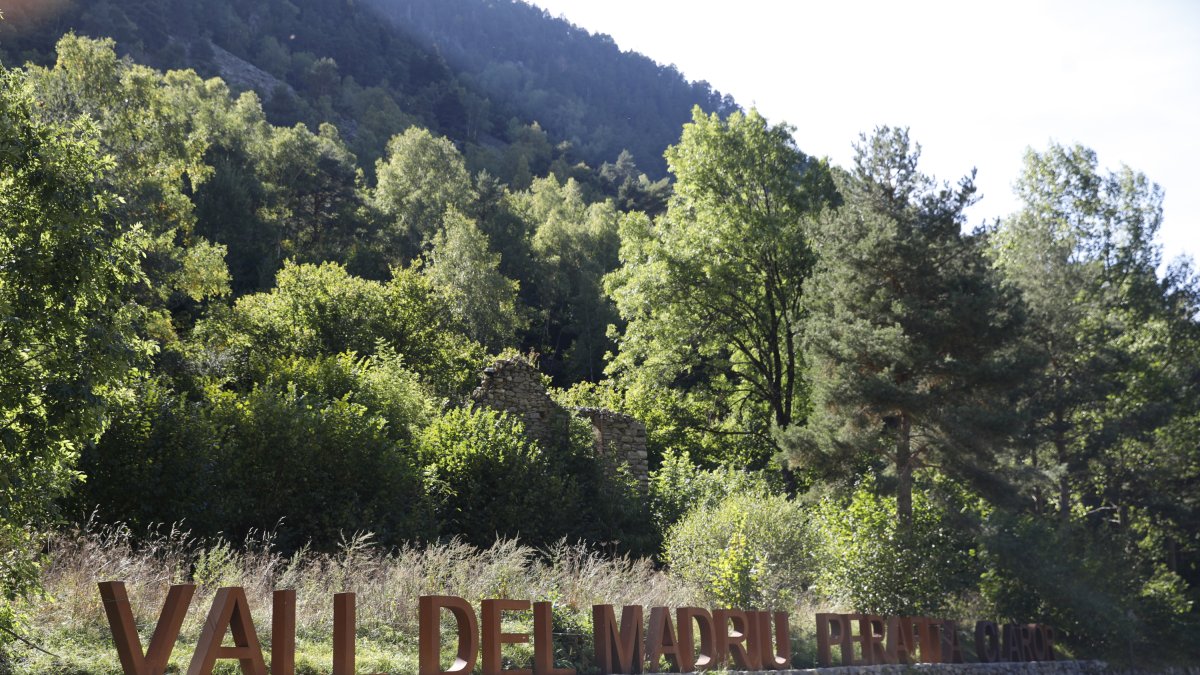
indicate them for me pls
(515, 386)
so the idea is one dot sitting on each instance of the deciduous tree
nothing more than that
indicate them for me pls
(466, 274)
(68, 268)
(712, 289)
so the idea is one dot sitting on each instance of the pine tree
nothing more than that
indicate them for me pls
(910, 343)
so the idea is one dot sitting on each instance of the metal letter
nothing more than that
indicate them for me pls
(987, 641)
(344, 620)
(430, 635)
(830, 628)
(283, 632)
(951, 651)
(494, 637)
(661, 641)
(779, 658)
(543, 641)
(732, 643)
(901, 640)
(1011, 643)
(618, 652)
(231, 612)
(871, 634)
(706, 659)
(129, 645)
(929, 632)
(1049, 635)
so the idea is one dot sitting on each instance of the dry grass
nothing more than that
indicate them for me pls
(69, 619)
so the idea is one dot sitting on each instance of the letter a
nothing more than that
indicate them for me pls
(231, 612)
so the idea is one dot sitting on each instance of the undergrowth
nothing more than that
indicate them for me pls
(68, 620)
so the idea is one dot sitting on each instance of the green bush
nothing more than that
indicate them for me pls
(487, 481)
(750, 549)
(1089, 583)
(324, 467)
(871, 565)
(679, 486)
(321, 310)
(320, 447)
(155, 464)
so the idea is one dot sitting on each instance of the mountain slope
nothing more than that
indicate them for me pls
(577, 85)
(477, 71)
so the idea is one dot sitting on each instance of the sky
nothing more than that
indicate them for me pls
(976, 83)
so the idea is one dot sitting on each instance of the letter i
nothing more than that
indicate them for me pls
(343, 634)
(283, 632)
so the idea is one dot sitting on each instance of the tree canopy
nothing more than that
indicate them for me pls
(912, 343)
(712, 290)
(69, 269)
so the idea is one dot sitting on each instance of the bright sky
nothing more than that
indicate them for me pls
(976, 83)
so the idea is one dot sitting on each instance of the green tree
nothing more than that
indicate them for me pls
(232, 207)
(1081, 250)
(911, 343)
(421, 177)
(156, 129)
(574, 244)
(313, 192)
(466, 274)
(1113, 436)
(712, 289)
(68, 270)
(633, 190)
(321, 310)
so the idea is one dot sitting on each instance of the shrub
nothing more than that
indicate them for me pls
(323, 467)
(871, 565)
(323, 444)
(750, 549)
(487, 481)
(679, 486)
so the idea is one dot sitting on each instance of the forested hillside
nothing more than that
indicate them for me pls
(521, 91)
(579, 86)
(237, 342)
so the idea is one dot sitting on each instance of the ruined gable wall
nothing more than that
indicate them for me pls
(515, 386)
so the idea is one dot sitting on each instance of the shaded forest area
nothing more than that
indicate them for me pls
(216, 316)
(516, 90)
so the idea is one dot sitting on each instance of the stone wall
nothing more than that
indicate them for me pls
(515, 386)
(619, 438)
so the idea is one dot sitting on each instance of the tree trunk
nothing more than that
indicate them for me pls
(904, 474)
(1064, 484)
(783, 420)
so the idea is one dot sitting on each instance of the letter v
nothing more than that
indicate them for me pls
(125, 635)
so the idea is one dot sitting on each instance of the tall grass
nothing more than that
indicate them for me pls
(69, 620)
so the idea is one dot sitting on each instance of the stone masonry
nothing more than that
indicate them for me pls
(619, 437)
(515, 386)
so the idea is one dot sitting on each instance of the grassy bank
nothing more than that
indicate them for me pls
(68, 620)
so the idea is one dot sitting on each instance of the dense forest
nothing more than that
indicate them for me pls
(579, 86)
(518, 92)
(254, 257)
